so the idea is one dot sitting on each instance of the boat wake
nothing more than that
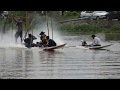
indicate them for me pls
(6, 46)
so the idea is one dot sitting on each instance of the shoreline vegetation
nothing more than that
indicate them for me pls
(88, 28)
(69, 23)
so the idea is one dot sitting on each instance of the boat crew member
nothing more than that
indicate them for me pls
(29, 41)
(50, 42)
(96, 41)
(20, 29)
(43, 39)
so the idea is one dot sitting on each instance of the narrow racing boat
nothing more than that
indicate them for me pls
(94, 47)
(53, 47)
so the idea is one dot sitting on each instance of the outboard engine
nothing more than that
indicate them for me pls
(83, 43)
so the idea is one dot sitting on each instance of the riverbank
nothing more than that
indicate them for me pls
(74, 25)
(90, 26)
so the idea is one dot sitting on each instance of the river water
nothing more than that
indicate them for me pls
(68, 63)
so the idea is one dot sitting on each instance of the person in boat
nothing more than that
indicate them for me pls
(50, 42)
(43, 41)
(29, 41)
(96, 41)
(19, 24)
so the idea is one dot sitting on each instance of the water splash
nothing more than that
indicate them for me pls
(8, 39)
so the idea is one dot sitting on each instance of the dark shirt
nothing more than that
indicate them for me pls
(29, 40)
(19, 24)
(51, 43)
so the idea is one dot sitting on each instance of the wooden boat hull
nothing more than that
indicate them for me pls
(94, 47)
(100, 47)
(54, 47)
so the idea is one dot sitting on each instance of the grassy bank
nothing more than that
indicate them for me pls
(72, 23)
(88, 28)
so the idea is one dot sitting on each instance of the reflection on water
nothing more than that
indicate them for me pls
(61, 64)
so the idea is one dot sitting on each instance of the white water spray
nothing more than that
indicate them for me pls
(8, 39)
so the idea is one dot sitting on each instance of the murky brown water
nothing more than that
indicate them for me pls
(67, 63)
